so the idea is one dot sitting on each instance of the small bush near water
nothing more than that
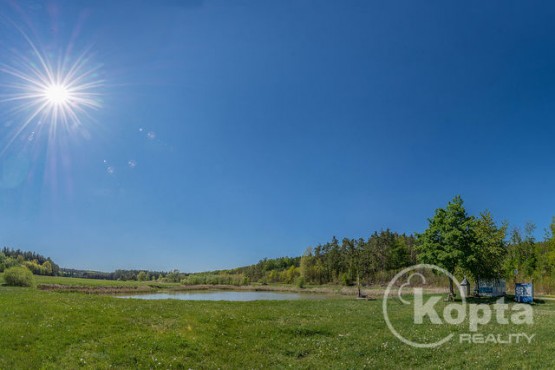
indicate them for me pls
(19, 276)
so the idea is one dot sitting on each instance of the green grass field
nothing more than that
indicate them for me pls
(44, 329)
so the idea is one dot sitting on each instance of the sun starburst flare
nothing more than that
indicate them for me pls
(58, 96)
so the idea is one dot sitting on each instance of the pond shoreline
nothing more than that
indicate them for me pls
(340, 291)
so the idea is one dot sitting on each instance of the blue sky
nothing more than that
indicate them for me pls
(257, 128)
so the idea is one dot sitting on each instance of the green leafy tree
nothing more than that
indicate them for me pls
(142, 276)
(3, 259)
(400, 254)
(545, 253)
(173, 276)
(488, 249)
(522, 253)
(448, 238)
(291, 274)
(307, 265)
(47, 267)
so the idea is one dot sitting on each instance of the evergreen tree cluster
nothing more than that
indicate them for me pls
(38, 264)
(346, 262)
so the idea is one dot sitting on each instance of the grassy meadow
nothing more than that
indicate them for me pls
(52, 330)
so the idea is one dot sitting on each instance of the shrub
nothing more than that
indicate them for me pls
(19, 276)
(344, 279)
(300, 282)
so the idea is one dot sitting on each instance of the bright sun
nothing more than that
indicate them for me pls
(60, 93)
(57, 94)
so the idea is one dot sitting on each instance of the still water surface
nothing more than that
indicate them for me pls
(227, 296)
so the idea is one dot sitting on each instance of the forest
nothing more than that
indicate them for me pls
(38, 264)
(466, 245)
(472, 245)
(41, 265)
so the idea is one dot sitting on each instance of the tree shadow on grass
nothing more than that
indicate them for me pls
(492, 300)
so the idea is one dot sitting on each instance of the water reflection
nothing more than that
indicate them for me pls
(226, 296)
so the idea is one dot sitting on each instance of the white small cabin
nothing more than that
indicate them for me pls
(491, 287)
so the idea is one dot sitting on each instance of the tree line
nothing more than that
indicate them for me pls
(124, 275)
(41, 265)
(475, 246)
(346, 262)
(38, 264)
(481, 248)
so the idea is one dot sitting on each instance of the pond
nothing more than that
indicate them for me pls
(226, 296)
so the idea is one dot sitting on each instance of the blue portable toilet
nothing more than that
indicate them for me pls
(524, 292)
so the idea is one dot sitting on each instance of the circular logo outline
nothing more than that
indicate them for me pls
(386, 296)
